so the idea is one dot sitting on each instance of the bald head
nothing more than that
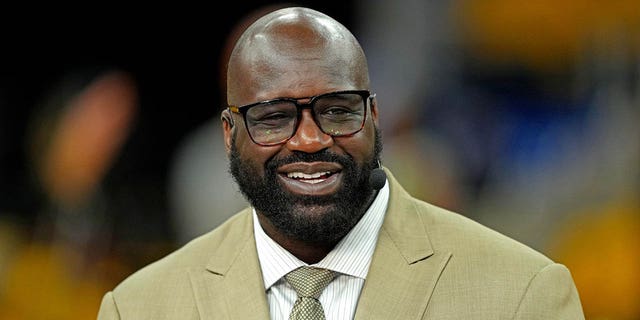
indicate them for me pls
(293, 50)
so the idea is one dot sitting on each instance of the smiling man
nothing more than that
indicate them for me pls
(330, 234)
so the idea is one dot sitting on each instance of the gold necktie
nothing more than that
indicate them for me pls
(308, 283)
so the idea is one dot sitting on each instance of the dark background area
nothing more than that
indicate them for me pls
(173, 54)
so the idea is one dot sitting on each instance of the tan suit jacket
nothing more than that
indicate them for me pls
(429, 263)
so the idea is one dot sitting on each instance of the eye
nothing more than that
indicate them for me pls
(337, 111)
(273, 113)
(276, 116)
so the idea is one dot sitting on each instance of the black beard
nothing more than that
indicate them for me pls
(295, 216)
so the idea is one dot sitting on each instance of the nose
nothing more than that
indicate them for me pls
(308, 137)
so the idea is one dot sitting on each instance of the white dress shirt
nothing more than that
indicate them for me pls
(350, 258)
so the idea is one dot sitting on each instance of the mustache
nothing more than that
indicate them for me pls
(322, 156)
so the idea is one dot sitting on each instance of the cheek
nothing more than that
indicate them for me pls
(254, 155)
(361, 145)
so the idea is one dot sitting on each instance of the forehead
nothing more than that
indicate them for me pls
(290, 59)
(297, 78)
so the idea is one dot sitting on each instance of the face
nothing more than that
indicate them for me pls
(314, 187)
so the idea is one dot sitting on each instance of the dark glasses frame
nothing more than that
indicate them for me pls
(365, 94)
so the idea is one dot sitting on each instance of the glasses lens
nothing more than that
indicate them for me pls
(271, 123)
(340, 114)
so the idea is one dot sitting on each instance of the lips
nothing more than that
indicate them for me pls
(311, 178)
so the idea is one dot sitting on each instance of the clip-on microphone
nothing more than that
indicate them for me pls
(378, 177)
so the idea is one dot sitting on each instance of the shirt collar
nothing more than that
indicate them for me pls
(351, 256)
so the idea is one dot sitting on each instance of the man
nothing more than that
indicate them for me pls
(301, 134)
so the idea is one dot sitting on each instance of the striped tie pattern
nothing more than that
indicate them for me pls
(308, 282)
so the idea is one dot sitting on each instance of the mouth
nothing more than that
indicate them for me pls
(315, 178)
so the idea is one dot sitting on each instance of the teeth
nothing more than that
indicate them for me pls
(300, 175)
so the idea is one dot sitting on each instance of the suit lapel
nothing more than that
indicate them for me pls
(405, 268)
(231, 287)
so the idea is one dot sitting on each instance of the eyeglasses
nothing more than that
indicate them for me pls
(337, 114)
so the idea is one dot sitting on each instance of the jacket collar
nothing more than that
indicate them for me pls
(231, 286)
(404, 264)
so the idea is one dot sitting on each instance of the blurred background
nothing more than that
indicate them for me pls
(523, 116)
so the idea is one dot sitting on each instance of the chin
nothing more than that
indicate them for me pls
(315, 212)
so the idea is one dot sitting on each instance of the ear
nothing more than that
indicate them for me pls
(227, 129)
(374, 108)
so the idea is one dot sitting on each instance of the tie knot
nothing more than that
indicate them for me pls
(309, 281)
